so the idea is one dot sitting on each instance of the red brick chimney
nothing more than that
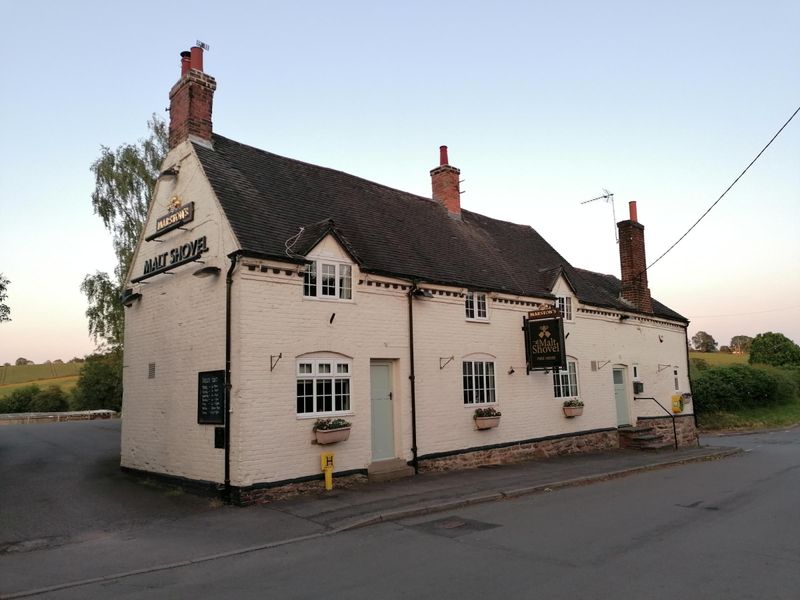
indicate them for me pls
(633, 263)
(445, 183)
(190, 100)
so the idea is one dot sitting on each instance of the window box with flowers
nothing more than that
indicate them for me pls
(330, 431)
(572, 408)
(486, 418)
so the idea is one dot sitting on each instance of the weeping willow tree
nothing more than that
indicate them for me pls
(124, 180)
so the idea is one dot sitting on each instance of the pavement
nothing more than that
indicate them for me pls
(367, 504)
(222, 531)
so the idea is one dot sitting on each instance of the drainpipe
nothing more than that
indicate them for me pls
(228, 285)
(689, 378)
(412, 377)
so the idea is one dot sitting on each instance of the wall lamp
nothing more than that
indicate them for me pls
(130, 297)
(171, 172)
(207, 271)
(420, 293)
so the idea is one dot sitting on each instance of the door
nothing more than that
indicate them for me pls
(380, 376)
(621, 397)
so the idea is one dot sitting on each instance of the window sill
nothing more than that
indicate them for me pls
(468, 320)
(330, 415)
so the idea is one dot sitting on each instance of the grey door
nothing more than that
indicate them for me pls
(621, 397)
(382, 410)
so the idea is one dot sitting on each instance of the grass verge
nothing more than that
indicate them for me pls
(768, 417)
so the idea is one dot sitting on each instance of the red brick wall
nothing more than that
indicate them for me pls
(191, 101)
(633, 264)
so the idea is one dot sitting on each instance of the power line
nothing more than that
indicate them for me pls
(752, 162)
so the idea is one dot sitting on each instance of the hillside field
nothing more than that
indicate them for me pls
(64, 376)
(720, 359)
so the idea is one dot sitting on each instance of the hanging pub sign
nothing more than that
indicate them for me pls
(179, 214)
(544, 339)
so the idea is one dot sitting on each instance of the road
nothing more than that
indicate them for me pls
(720, 529)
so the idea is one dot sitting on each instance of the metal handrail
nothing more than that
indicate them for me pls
(674, 429)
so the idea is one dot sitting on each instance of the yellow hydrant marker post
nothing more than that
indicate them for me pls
(326, 462)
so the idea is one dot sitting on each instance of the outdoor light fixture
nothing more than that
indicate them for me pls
(422, 293)
(171, 172)
(511, 371)
(207, 271)
(130, 297)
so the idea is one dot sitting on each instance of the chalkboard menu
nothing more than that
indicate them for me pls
(211, 397)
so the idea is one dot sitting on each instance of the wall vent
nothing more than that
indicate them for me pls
(151, 371)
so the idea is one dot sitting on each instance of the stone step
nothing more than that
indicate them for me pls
(387, 470)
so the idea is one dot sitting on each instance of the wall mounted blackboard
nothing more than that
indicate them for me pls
(211, 397)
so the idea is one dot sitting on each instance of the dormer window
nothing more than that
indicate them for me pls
(475, 306)
(326, 279)
(564, 306)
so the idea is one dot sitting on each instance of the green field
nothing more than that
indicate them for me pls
(64, 376)
(720, 359)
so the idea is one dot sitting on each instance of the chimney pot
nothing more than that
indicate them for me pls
(185, 62)
(632, 210)
(442, 155)
(197, 58)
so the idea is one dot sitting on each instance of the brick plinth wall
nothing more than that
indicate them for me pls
(684, 426)
(271, 493)
(596, 441)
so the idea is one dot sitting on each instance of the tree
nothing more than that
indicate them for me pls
(725, 349)
(703, 342)
(100, 383)
(740, 344)
(5, 311)
(774, 349)
(23, 361)
(124, 182)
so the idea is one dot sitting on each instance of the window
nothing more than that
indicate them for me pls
(328, 280)
(323, 386)
(564, 306)
(675, 375)
(479, 382)
(475, 306)
(565, 382)
(636, 372)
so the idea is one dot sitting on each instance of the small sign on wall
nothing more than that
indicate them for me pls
(211, 397)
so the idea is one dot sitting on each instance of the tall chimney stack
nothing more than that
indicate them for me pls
(445, 183)
(191, 100)
(633, 264)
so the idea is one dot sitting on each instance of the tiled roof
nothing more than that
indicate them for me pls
(268, 199)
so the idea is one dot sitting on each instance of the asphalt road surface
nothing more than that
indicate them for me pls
(721, 529)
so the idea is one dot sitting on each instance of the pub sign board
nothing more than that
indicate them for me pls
(179, 214)
(211, 397)
(544, 340)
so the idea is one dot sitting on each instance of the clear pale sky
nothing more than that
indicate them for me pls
(542, 105)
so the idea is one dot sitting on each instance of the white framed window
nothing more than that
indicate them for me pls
(675, 377)
(565, 382)
(475, 306)
(323, 386)
(326, 279)
(564, 306)
(478, 377)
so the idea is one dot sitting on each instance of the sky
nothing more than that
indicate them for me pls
(543, 105)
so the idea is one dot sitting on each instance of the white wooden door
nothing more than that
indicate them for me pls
(621, 397)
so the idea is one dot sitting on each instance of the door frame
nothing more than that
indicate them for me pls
(625, 379)
(390, 364)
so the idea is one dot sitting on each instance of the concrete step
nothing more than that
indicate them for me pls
(387, 470)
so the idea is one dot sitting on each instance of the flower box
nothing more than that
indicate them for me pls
(572, 411)
(487, 422)
(331, 436)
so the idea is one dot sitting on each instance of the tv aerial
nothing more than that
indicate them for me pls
(608, 197)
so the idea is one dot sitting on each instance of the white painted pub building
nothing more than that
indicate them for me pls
(266, 293)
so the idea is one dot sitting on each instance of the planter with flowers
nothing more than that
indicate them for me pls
(486, 418)
(572, 408)
(330, 431)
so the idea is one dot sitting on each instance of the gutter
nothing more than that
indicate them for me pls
(228, 286)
